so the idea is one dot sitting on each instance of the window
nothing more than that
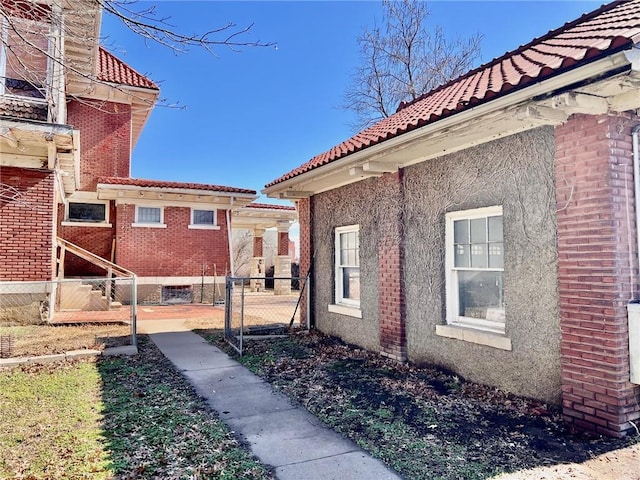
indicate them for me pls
(347, 266)
(204, 219)
(24, 61)
(149, 217)
(475, 260)
(87, 212)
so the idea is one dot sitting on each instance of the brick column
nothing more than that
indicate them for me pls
(257, 262)
(283, 239)
(258, 243)
(597, 271)
(305, 219)
(283, 261)
(391, 295)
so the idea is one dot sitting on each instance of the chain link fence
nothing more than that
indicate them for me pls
(40, 318)
(253, 310)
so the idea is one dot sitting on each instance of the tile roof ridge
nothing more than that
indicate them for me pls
(271, 206)
(145, 78)
(155, 183)
(511, 53)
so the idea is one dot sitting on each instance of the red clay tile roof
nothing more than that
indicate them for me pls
(113, 70)
(611, 28)
(145, 183)
(269, 206)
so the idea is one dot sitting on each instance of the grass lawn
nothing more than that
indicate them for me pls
(34, 340)
(50, 425)
(120, 417)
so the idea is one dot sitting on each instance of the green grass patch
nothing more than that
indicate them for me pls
(122, 417)
(156, 425)
(50, 425)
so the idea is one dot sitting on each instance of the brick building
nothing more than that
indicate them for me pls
(70, 116)
(491, 225)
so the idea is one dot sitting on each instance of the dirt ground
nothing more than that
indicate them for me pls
(469, 426)
(621, 464)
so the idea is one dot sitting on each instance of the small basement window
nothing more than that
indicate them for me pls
(177, 294)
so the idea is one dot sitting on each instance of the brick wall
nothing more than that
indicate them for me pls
(258, 244)
(391, 297)
(597, 271)
(283, 243)
(105, 139)
(172, 251)
(98, 240)
(306, 248)
(26, 225)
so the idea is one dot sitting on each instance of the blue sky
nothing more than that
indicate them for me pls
(252, 116)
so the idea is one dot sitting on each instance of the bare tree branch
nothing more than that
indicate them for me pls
(404, 60)
(146, 23)
(32, 54)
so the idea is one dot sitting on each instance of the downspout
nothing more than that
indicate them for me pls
(633, 308)
(635, 133)
(229, 239)
(58, 191)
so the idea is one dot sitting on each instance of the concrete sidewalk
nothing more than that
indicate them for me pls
(280, 434)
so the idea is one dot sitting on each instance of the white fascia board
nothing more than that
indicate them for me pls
(39, 127)
(186, 191)
(120, 93)
(591, 70)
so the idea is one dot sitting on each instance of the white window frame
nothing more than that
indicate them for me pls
(4, 33)
(204, 226)
(79, 223)
(160, 224)
(339, 286)
(453, 315)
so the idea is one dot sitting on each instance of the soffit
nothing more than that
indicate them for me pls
(135, 190)
(263, 216)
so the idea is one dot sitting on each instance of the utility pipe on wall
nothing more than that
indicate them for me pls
(634, 308)
(635, 133)
(230, 240)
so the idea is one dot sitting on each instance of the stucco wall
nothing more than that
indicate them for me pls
(517, 173)
(336, 208)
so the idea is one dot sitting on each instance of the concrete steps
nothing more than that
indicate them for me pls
(77, 296)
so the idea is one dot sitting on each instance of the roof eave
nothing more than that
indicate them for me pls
(172, 195)
(332, 175)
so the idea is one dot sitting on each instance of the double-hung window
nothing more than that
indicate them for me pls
(475, 273)
(347, 266)
(24, 57)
